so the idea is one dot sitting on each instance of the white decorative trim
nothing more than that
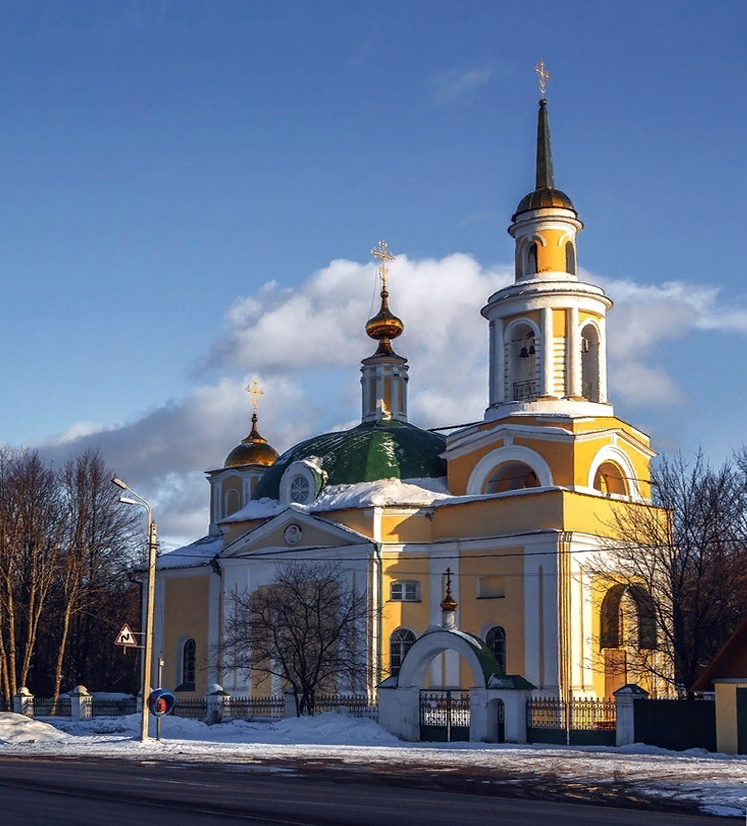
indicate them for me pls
(515, 453)
(507, 330)
(610, 453)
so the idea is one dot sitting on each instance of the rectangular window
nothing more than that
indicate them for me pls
(405, 591)
(491, 587)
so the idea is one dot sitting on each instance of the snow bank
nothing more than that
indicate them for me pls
(15, 728)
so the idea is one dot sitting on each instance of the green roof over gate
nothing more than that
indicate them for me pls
(366, 453)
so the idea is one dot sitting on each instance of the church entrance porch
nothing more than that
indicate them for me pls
(444, 716)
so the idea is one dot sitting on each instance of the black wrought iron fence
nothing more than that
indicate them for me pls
(108, 707)
(525, 391)
(245, 708)
(354, 705)
(195, 708)
(579, 721)
(49, 707)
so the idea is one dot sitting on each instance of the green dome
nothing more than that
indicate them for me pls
(366, 453)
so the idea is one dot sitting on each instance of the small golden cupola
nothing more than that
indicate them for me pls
(253, 450)
(384, 374)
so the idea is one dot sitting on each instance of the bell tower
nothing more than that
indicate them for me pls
(548, 328)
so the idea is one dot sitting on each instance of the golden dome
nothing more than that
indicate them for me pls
(253, 450)
(384, 326)
(543, 198)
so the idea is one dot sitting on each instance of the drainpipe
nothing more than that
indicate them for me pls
(380, 604)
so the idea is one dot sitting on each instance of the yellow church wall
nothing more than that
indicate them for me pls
(596, 515)
(550, 256)
(312, 537)
(499, 516)
(477, 613)
(186, 608)
(585, 315)
(460, 468)
(558, 455)
(233, 530)
(532, 315)
(558, 323)
(406, 527)
(401, 614)
(357, 519)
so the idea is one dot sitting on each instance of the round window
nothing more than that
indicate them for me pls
(300, 490)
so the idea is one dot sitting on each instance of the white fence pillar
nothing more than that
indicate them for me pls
(81, 703)
(290, 705)
(23, 702)
(625, 698)
(218, 705)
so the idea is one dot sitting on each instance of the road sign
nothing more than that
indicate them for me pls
(125, 637)
(161, 702)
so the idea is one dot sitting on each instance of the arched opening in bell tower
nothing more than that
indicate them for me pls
(570, 258)
(511, 476)
(590, 363)
(523, 363)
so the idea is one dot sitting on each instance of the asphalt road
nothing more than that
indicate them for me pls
(43, 792)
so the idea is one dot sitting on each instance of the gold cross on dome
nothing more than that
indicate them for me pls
(255, 391)
(382, 253)
(542, 77)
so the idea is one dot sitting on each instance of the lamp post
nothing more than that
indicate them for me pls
(152, 536)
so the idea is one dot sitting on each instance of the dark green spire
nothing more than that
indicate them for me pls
(545, 175)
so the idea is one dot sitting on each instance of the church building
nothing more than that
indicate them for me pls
(518, 504)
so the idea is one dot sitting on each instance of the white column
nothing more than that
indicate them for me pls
(603, 359)
(548, 366)
(574, 354)
(497, 359)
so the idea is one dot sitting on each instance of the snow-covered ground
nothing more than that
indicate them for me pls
(717, 782)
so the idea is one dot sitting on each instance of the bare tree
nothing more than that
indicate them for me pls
(307, 628)
(676, 578)
(98, 543)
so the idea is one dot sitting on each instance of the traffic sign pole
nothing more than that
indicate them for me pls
(149, 622)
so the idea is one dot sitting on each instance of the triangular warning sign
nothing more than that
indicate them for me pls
(125, 636)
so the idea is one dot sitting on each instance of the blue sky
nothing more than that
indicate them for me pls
(161, 161)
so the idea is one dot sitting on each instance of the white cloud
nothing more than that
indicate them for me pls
(306, 343)
(453, 86)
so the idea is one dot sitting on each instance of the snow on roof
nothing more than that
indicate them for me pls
(196, 553)
(393, 491)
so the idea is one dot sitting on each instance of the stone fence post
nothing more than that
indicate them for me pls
(81, 703)
(23, 702)
(218, 705)
(625, 699)
(290, 704)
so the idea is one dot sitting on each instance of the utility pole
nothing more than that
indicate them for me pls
(150, 599)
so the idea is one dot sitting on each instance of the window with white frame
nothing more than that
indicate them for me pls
(495, 639)
(405, 590)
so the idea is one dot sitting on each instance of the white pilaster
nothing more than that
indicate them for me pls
(602, 322)
(547, 353)
(573, 356)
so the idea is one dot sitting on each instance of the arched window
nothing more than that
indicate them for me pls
(590, 363)
(399, 644)
(532, 259)
(232, 503)
(495, 639)
(511, 476)
(570, 258)
(610, 479)
(523, 366)
(631, 607)
(189, 656)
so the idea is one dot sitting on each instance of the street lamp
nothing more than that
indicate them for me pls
(152, 536)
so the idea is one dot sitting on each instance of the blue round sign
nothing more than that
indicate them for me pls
(161, 702)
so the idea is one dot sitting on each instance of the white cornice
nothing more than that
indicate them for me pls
(469, 442)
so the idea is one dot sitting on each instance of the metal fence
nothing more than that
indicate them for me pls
(245, 708)
(354, 705)
(578, 722)
(108, 707)
(195, 708)
(676, 724)
(49, 707)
